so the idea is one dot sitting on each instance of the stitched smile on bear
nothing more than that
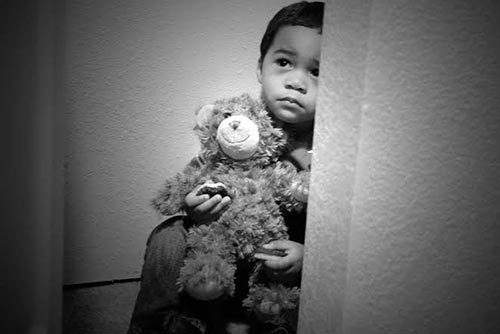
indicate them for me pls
(235, 130)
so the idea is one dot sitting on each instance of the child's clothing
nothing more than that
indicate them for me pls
(160, 308)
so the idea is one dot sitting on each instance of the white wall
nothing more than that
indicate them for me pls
(136, 72)
(407, 152)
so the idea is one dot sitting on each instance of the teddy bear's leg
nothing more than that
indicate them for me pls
(274, 305)
(207, 276)
(209, 268)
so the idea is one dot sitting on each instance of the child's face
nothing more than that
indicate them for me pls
(289, 74)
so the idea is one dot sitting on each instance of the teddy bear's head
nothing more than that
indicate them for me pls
(238, 131)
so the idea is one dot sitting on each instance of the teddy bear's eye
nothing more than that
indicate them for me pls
(226, 114)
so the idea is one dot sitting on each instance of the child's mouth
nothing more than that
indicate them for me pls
(290, 100)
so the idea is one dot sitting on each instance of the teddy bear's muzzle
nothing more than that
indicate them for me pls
(238, 136)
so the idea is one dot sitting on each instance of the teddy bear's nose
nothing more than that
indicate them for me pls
(234, 124)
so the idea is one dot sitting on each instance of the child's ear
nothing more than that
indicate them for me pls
(204, 115)
(259, 71)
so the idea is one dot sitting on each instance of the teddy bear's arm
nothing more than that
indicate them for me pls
(171, 198)
(291, 187)
(213, 189)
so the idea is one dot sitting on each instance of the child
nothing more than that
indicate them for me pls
(287, 70)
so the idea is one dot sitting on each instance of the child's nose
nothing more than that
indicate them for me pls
(296, 81)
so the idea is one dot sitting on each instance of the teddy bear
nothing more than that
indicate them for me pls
(240, 150)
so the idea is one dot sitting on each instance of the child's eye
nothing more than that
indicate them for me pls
(315, 72)
(282, 62)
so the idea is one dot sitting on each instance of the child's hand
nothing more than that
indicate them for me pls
(285, 268)
(203, 209)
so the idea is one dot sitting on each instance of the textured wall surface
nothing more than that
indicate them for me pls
(136, 72)
(337, 132)
(424, 235)
(412, 245)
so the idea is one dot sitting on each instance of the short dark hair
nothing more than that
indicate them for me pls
(306, 14)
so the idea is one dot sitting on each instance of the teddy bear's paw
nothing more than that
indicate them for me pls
(300, 191)
(211, 188)
(206, 276)
(272, 299)
(208, 290)
(179, 324)
(237, 328)
(269, 308)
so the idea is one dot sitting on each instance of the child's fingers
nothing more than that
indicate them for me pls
(274, 262)
(266, 257)
(209, 204)
(193, 200)
(277, 263)
(278, 244)
(221, 206)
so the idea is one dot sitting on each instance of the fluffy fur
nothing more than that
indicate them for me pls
(262, 191)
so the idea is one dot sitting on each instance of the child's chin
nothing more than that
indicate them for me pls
(288, 117)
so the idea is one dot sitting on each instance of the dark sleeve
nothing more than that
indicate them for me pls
(296, 223)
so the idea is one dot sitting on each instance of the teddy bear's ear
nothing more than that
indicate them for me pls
(204, 115)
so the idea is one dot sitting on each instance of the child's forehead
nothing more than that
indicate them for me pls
(297, 40)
